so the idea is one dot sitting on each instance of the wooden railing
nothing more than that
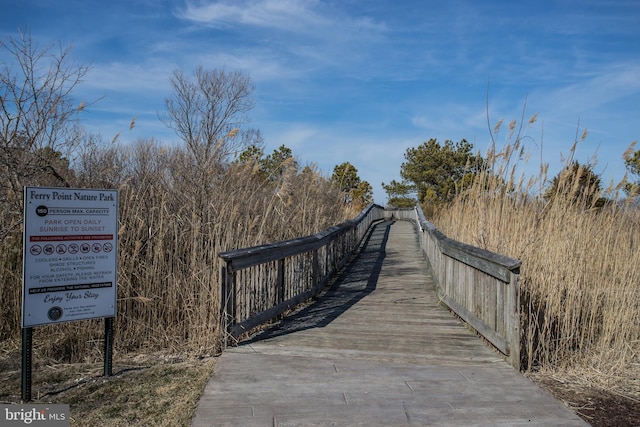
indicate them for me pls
(481, 287)
(262, 282)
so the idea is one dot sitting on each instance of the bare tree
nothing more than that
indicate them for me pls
(38, 119)
(207, 112)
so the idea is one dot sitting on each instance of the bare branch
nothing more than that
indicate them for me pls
(38, 117)
(205, 108)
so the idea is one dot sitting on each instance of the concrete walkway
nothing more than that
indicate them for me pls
(375, 350)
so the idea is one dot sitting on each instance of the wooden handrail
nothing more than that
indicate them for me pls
(481, 287)
(281, 275)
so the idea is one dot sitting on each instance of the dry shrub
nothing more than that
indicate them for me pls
(174, 220)
(580, 282)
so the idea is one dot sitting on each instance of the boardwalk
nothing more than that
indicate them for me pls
(375, 350)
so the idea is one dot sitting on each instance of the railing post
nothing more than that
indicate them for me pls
(513, 319)
(280, 281)
(315, 270)
(228, 306)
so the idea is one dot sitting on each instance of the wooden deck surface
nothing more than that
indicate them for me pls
(374, 350)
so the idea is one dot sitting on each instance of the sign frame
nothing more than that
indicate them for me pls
(70, 262)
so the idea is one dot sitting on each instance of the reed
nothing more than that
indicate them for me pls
(580, 282)
(174, 220)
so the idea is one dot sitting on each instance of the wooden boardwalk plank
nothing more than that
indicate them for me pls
(376, 349)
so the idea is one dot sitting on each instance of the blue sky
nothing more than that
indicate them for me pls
(362, 81)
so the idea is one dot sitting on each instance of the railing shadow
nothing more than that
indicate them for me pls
(359, 278)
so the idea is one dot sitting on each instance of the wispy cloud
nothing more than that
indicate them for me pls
(308, 17)
(260, 65)
(313, 34)
(130, 77)
(285, 15)
(615, 82)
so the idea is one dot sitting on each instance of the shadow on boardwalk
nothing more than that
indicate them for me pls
(355, 282)
(376, 349)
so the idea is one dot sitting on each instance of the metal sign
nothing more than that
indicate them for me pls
(70, 255)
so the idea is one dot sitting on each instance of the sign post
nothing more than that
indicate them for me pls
(70, 259)
(108, 347)
(27, 334)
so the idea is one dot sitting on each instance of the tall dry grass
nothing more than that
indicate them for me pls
(174, 220)
(580, 281)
